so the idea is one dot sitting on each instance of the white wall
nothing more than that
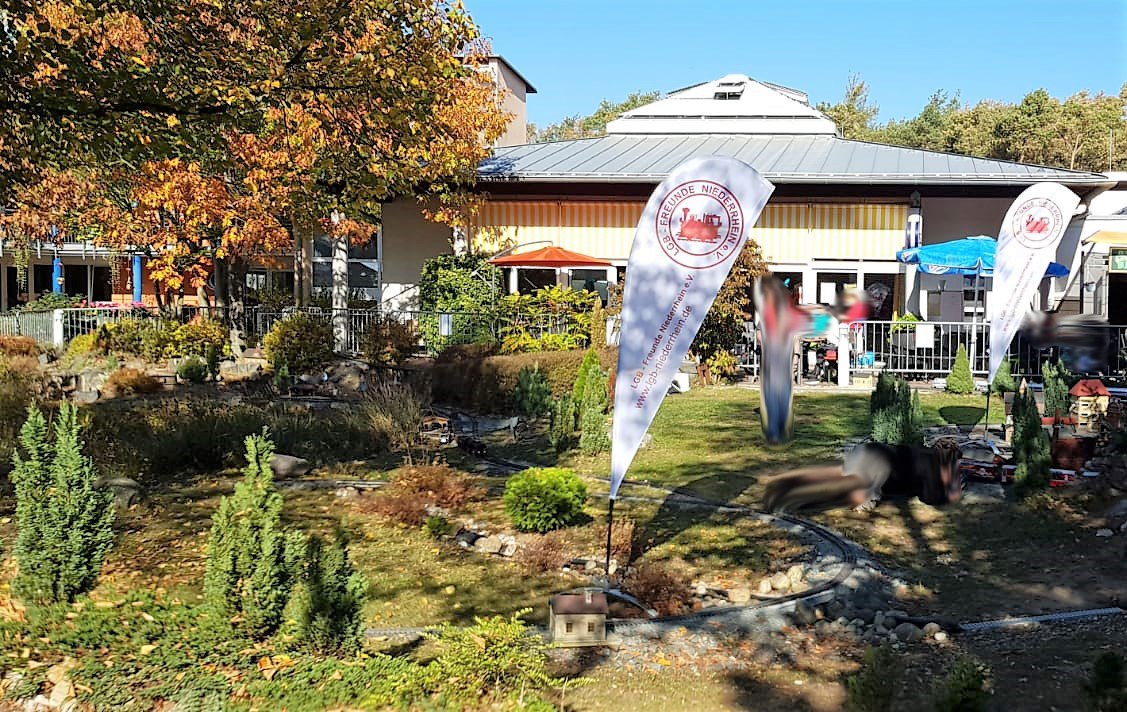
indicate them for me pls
(514, 103)
(408, 240)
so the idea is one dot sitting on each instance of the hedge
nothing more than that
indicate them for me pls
(488, 384)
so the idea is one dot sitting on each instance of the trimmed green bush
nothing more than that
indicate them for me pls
(1003, 379)
(192, 370)
(213, 361)
(960, 379)
(590, 363)
(251, 562)
(533, 396)
(301, 341)
(593, 438)
(965, 688)
(873, 687)
(541, 499)
(327, 597)
(65, 522)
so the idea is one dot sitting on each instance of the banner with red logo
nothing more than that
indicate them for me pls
(688, 237)
(1027, 242)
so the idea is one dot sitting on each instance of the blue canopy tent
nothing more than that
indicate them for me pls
(965, 257)
(970, 256)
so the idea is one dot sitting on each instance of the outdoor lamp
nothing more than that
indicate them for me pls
(1090, 287)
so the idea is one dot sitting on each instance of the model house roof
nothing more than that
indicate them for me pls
(1089, 387)
(579, 603)
(786, 158)
(734, 104)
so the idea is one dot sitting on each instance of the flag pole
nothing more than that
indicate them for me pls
(610, 529)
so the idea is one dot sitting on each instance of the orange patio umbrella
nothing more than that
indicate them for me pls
(547, 257)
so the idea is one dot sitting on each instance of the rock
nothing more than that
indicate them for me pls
(908, 633)
(1104, 532)
(85, 397)
(931, 629)
(348, 375)
(820, 613)
(489, 545)
(509, 548)
(764, 586)
(982, 493)
(590, 565)
(91, 380)
(285, 466)
(856, 623)
(347, 492)
(867, 615)
(835, 609)
(780, 582)
(804, 613)
(941, 636)
(878, 618)
(739, 594)
(896, 613)
(466, 538)
(612, 569)
(126, 491)
(1116, 515)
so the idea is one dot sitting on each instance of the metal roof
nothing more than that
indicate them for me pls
(780, 158)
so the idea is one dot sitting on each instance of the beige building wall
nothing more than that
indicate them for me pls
(409, 240)
(514, 104)
(947, 219)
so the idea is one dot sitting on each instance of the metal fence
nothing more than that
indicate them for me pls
(924, 350)
(37, 325)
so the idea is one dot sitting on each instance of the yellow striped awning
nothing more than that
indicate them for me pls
(786, 232)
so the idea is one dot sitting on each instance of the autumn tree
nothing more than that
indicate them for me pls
(853, 114)
(593, 125)
(332, 107)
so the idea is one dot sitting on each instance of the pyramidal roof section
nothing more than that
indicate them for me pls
(734, 104)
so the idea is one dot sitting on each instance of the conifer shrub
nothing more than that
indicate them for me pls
(212, 362)
(897, 417)
(328, 594)
(533, 395)
(1106, 688)
(1003, 378)
(65, 522)
(561, 432)
(965, 688)
(250, 559)
(960, 379)
(192, 370)
(1057, 400)
(590, 363)
(1031, 449)
(302, 341)
(873, 687)
(541, 499)
(593, 438)
(494, 658)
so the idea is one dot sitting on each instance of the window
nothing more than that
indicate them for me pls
(590, 627)
(567, 627)
(593, 280)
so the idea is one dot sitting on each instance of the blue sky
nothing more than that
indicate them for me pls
(578, 52)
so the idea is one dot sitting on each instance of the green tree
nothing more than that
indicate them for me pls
(723, 326)
(960, 379)
(1031, 449)
(595, 124)
(250, 559)
(65, 522)
(854, 114)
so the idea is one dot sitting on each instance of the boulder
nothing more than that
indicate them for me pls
(285, 466)
(489, 545)
(780, 582)
(908, 633)
(941, 636)
(91, 380)
(931, 629)
(1116, 515)
(1104, 533)
(347, 492)
(796, 573)
(804, 613)
(764, 586)
(509, 548)
(466, 538)
(739, 594)
(126, 491)
(85, 397)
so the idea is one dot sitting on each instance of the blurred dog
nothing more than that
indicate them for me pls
(871, 472)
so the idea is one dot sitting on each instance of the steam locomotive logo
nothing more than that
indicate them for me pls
(1037, 223)
(699, 224)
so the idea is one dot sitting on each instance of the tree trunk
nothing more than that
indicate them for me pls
(220, 276)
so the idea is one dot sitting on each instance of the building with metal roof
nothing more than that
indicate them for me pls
(840, 211)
